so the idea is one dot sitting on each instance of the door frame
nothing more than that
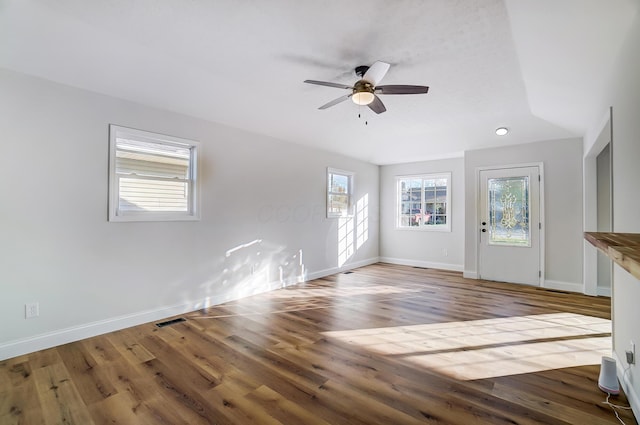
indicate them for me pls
(597, 141)
(478, 212)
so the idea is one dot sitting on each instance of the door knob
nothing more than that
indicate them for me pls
(484, 223)
(484, 230)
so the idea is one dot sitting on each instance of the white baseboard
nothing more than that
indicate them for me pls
(333, 270)
(604, 292)
(75, 333)
(549, 284)
(470, 274)
(564, 286)
(425, 264)
(632, 396)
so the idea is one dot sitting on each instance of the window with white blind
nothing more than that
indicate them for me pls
(424, 202)
(152, 176)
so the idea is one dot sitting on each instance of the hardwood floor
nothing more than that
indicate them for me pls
(385, 345)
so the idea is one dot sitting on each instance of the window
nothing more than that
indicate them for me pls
(152, 177)
(424, 202)
(339, 192)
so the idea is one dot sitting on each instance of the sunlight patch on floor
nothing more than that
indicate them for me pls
(341, 292)
(478, 349)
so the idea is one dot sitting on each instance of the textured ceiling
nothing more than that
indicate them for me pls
(488, 63)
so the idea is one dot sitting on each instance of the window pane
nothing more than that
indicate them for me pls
(429, 195)
(152, 173)
(149, 159)
(422, 201)
(509, 211)
(339, 193)
(339, 183)
(152, 195)
(338, 203)
(151, 165)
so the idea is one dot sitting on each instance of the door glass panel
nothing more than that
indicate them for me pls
(509, 211)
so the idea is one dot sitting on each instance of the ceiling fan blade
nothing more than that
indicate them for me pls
(376, 72)
(336, 101)
(401, 89)
(377, 106)
(325, 83)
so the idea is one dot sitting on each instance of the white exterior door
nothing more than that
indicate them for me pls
(509, 225)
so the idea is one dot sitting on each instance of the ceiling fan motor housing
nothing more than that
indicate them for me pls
(363, 86)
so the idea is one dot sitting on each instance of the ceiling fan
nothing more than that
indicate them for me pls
(365, 90)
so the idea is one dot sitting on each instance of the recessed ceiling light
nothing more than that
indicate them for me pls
(501, 131)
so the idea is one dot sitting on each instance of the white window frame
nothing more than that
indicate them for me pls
(430, 227)
(193, 210)
(350, 175)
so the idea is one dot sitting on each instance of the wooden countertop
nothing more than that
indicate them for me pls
(622, 248)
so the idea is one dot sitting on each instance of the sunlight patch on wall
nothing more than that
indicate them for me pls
(479, 349)
(362, 221)
(345, 239)
(252, 268)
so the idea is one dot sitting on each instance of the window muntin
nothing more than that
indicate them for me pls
(424, 202)
(339, 192)
(152, 176)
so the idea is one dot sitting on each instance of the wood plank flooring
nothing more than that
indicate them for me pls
(385, 344)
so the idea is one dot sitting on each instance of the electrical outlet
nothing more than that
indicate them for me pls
(633, 353)
(445, 253)
(31, 310)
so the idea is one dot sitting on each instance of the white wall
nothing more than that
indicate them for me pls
(562, 161)
(624, 97)
(422, 248)
(91, 276)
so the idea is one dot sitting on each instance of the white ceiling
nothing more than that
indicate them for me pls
(538, 67)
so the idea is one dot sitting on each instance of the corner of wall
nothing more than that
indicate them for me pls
(627, 386)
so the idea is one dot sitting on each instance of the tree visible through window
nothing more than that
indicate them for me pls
(152, 176)
(424, 202)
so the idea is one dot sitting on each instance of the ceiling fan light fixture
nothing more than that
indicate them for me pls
(363, 98)
(502, 131)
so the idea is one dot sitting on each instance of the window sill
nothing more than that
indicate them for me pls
(424, 229)
(152, 218)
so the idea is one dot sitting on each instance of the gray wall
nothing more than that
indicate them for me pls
(422, 248)
(562, 161)
(90, 275)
